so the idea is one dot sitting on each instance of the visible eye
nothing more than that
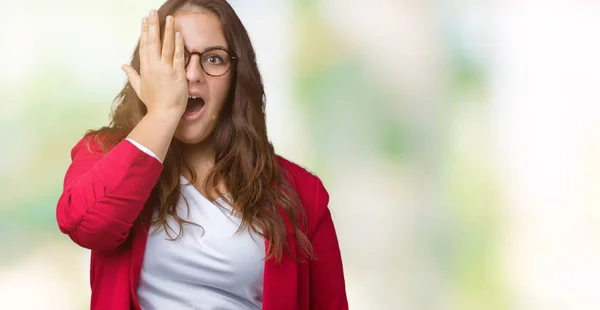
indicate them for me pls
(214, 60)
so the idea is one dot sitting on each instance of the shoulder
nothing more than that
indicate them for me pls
(95, 144)
(309, 187)
(88, 145)
(301, 179)
(299, 175)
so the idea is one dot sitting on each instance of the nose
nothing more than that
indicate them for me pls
(194, 72)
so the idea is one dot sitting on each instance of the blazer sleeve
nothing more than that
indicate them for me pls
(104, 194)
(327, 285)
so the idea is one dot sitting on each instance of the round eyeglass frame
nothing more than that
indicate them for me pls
(188, 57)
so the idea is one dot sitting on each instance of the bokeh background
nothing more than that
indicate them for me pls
(459, 141)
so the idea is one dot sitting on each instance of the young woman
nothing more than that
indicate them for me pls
(182, 199)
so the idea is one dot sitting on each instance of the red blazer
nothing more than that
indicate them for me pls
(103, 196)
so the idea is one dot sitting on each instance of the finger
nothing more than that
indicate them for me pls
(153, 36)
(133, 77)
(143, 43)
(169, 41)
(179, 55)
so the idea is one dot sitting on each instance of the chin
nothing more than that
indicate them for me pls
(191, 139)
(193, 134)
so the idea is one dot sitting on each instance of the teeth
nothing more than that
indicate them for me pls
(193, 97)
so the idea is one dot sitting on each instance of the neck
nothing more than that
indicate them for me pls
(201, 157)
(200, 154)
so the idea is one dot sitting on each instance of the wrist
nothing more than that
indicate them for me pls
(165, 115)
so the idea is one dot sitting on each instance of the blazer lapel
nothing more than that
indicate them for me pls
(140, 236)
(280, 291)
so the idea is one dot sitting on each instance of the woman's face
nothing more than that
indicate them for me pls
(202, 31)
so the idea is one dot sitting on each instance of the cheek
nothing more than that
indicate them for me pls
(220, 88)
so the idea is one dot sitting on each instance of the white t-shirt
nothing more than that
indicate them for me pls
(211, 266)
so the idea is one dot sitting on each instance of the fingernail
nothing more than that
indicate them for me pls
(152, 12)
(144, 20)
(169, 19)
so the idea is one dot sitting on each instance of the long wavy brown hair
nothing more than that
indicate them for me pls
(245, 161)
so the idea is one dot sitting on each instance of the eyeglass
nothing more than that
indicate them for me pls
(215, 61)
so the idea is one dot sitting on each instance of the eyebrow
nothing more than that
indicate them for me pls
(209, 48)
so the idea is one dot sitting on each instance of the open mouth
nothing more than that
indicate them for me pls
(194, 105)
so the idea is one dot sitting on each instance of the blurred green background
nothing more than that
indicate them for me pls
(458, 141)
